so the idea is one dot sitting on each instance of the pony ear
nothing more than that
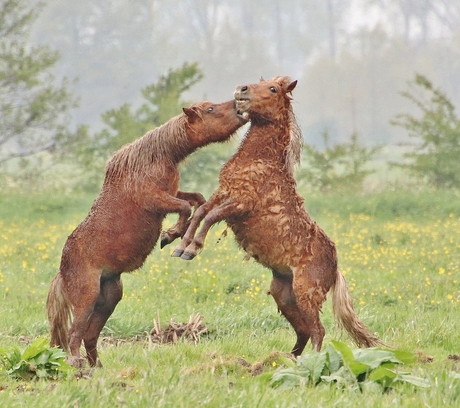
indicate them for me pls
(191, 114)
(291, 86)
(262, 79)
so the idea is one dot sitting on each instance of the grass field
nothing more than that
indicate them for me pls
(400, 253)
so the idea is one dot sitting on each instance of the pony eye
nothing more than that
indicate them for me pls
(210, 109)
(273, 89)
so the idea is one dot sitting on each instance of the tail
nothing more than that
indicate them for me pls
(59, 314)
(346, 317)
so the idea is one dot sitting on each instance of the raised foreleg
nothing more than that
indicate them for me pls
(178, 230)
(230, 208)
(198, 216)
(164, 203)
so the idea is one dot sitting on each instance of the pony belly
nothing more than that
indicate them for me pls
(128, 251)
(268, 245)
(111, 243)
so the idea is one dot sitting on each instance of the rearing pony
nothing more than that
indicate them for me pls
(257, 197)
(124, 224)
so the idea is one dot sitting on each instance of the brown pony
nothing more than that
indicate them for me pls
(124, 224)
(257, 197)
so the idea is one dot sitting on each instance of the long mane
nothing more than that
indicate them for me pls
(167, 144)
(294, 148)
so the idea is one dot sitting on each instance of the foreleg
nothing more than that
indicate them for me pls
(198, 216)
(228, 209)
(178, 230)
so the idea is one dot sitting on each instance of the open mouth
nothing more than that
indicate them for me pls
(242, 106)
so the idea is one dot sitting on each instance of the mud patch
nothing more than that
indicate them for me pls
(220, 365)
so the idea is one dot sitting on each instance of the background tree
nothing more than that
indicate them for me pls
(33, 106)
(435, 157)
(341, 167)
(162, 101)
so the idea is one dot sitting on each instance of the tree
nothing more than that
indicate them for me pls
(163, 100)
(33, 107)
(436, 156)
(337, 168)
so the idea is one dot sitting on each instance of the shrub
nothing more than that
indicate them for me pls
(37, 361)
(435, 157)
(340, 365)
(338, 167)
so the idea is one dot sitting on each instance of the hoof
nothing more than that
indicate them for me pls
(164, 241)
(177, 253)
(188, 256)
(76, 362)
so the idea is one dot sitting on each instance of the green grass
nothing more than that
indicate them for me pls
(400, 255)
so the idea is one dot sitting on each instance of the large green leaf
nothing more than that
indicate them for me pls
(313, 363)
(37, 347)
(288, 378)
(334, 359)
(417, 381)
(375, 357)
(383, 375)
(405, 357)
(349, 360)
(343, 377)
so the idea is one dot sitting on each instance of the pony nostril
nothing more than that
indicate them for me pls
(244, 88)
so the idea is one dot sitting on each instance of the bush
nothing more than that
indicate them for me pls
(339, 167)
(340, 365)
(37, 361)
(435, 157)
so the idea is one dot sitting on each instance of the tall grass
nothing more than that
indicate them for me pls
(400, 255)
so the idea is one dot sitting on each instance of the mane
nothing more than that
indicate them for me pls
(294, 148)
(167, 144)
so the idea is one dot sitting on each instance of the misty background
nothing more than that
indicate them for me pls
(352, 58)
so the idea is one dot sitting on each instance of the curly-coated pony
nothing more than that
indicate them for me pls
(125, 221)
(258, 199)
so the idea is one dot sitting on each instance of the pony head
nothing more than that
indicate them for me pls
(266, 100)
(208, 122)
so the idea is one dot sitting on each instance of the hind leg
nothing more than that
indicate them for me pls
(283, 293)
(309, 298)
(83, 294)
(110, 294)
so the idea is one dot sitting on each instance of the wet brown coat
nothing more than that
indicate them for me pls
(124, 223)
(258, 199)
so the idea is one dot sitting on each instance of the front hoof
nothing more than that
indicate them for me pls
(188, 256)
(164, 241)
(177, 253)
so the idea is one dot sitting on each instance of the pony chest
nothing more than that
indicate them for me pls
(274, 236)
(253, 181)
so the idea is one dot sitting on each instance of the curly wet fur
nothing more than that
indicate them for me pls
(257, 197)
(140, 188)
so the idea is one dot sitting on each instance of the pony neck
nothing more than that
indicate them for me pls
(267, 140)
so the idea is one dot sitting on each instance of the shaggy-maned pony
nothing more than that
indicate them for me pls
(124, 224)
(257, 197)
